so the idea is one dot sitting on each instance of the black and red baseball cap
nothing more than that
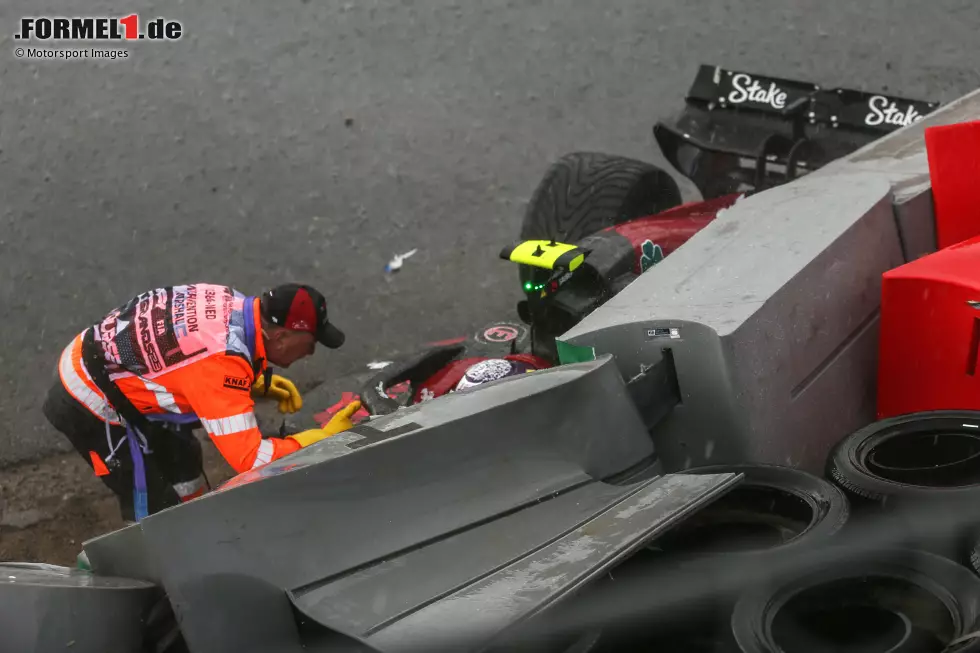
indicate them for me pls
(301, 308)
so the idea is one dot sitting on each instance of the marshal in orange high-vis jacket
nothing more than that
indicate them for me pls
(131, 387)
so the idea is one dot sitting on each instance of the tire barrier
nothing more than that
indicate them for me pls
(773, 507)
(910, 458)
(912, 464)
(774, 510)
(897, 602)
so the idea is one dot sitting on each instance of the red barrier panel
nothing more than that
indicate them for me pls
(954, 170)
(930, 333)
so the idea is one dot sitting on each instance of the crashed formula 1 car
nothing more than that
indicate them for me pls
(504, 516)
(598, 221)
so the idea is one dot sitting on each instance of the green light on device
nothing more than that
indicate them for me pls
(530, 287)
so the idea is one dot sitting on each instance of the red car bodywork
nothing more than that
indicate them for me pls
(671, 228)
(440, 383)
(449, 376)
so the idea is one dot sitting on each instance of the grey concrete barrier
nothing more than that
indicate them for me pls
(770, 314)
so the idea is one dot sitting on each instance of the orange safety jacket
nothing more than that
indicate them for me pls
(193, 350)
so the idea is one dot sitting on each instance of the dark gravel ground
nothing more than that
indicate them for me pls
(312, 140)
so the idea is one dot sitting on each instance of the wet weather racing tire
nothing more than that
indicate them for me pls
(584, 192)
(911, 458)
(900, 602)
(774, 507)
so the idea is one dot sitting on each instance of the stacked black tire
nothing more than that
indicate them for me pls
(701, 567)
(873, 559)
(899, 577)
(918, 477)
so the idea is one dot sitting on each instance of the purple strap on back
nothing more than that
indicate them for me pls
(140, 502)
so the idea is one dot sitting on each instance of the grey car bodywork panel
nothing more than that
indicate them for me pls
(474, 599)
(121, 553)
(460, 487)
(47, 608)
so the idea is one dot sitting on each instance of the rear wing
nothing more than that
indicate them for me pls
(742, 132)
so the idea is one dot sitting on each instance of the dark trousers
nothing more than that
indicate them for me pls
(174, 462)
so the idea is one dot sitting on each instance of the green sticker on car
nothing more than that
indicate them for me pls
(569, 353)
(651, 255)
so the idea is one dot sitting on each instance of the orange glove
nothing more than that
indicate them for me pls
(339, 423)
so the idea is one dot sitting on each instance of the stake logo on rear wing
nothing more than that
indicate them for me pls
(717, 87)
(749, 91)
(859, 110)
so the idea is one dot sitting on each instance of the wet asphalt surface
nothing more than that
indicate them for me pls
(313, 140)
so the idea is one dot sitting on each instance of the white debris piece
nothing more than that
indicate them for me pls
(395, 264)
(378, 365)
(722, 212)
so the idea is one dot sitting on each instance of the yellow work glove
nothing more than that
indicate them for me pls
(338, 423)
(281, 389)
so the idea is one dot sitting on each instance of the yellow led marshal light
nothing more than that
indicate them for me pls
(545, 254)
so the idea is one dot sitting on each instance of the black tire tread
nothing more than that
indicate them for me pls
(860, 483)
(584, 192)
(853, 489)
